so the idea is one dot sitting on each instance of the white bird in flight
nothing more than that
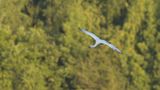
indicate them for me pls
(100, 41)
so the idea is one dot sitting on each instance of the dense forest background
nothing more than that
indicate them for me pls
(42, 48)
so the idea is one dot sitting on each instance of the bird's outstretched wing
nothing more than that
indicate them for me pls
(98, 41)
(90, 34)
(111, 46)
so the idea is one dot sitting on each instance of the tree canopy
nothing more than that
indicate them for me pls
(42, 47)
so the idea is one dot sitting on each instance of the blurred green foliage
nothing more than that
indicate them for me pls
(42, 48)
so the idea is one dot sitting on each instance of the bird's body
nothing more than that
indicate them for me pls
(100, 41)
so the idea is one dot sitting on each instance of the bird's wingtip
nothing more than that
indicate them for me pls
(81, 28)
(119, 52)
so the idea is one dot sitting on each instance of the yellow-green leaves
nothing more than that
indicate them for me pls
(42, 47)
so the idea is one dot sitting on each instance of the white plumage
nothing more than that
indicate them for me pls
(99, 41)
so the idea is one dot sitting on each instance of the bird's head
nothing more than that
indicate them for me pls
(91, 46)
